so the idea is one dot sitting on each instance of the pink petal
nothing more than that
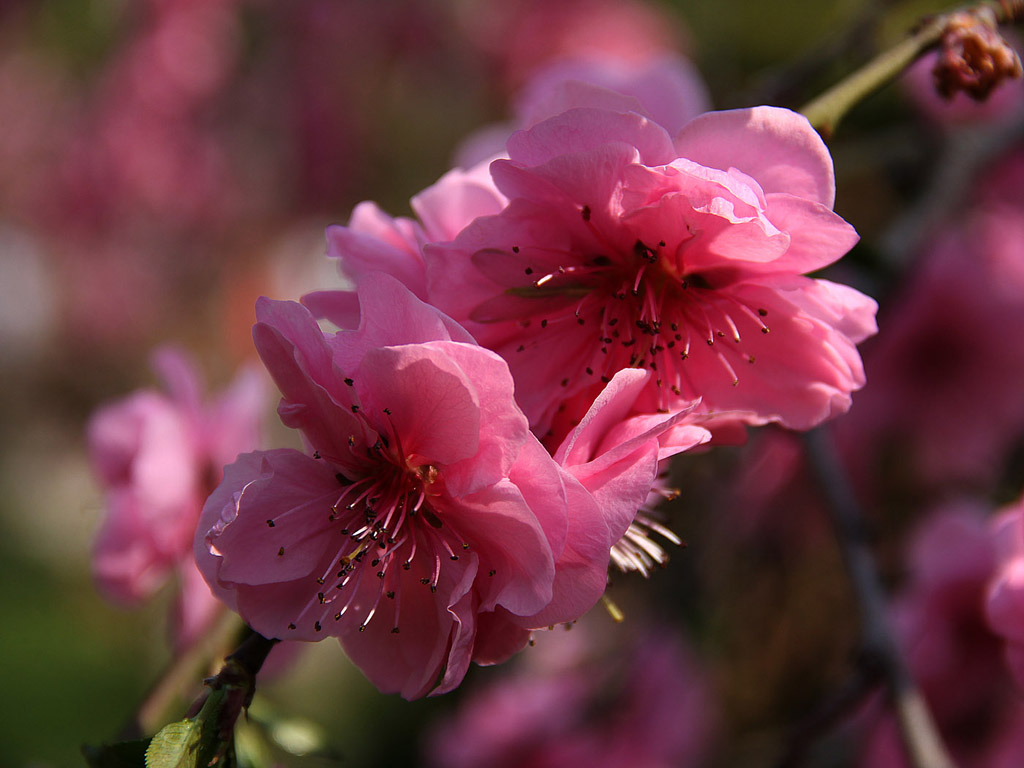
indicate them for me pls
(498, 637)
(434, 409)
(434, 639)
(509, 540)
(818, 237)
(338, 307)
(287, 504)
(373, 241)
(390, 315)
(503, 427)
(126, 565)
(298, 357)
(581, 571)
(458, 197)
(180, 378)
(580, 130)
(777, 147)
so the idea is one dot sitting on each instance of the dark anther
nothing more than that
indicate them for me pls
(585, 213)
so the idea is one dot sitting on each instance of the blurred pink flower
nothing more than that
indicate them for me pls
(1005, 603)
(621, 249)
(645, 704)
(524, 35)
(943, 407)
(952, 653)
(157, 455)
(459, 532)
(666, 88)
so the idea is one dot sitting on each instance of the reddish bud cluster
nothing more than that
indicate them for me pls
(973, 57)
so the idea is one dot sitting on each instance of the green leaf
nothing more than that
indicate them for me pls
(175, 746)
(193, 743)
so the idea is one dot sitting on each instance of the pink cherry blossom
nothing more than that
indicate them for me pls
(641, 701)
(375, 242)
(429, 527)
(952, 653)
(620, 248)
(157, 455)
(526, 34)
(944, 404)
(665, 88)
(1005, 600)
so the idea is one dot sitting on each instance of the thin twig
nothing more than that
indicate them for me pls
(920, 736)
(830, 711)
(825, 111)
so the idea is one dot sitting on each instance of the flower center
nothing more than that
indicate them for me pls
(649, 311)
(392, 536)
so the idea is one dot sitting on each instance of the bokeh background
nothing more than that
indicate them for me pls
(165, 162)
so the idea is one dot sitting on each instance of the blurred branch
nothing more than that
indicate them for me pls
(182, 674)
(829, 108)
(207, 736)
(879, 650)
(830, 711)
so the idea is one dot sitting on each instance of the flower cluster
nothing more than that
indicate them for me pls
(514, 368)
(516, 365)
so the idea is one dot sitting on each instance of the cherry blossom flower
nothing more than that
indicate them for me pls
(952, 653)
(665, 88)
(527, 34)
(642, 702)
(620, 249)
(1005, 600)
(374, 242)
(943, 406)
(157, 456)
(429, 527)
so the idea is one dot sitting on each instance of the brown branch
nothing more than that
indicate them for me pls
(921, 740)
